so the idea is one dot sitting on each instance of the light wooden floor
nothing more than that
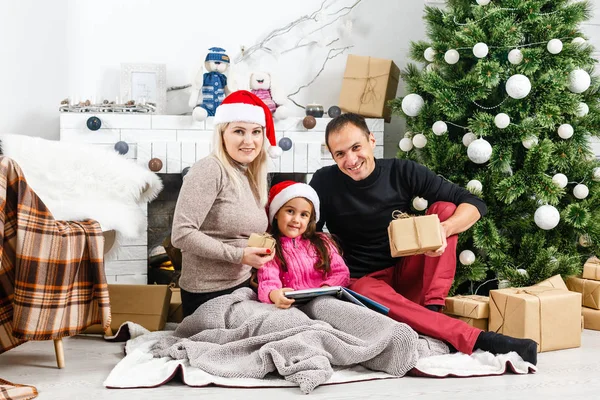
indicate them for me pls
(567, 374)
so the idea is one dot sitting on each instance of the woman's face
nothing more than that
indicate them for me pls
(243, 141)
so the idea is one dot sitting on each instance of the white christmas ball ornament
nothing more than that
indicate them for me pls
(429, 54)
(406, 145)
(518, 86)
(474, 186)
(530, 142)
(596, 174)
(581, 191)
(523, 272)
(466, 257)
(515, 57)
(483, 2)
(479, 151)
(560, 180)
(430, 67)
(452, 56)
(480, 50)
(565, 131)
(419, 141)
(419, 203)
(578, 40)
(546, 217)
(468, 138)
(579, 81)
(582, 110)
(439, 128)
(412, 104)
(554, 46)
(502, 120)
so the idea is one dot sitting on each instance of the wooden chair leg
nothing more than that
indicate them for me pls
(60, 354)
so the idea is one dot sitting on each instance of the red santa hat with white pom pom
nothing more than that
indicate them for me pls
(243, 106)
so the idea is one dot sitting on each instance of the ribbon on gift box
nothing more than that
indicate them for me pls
(397, 214)
(369, 95)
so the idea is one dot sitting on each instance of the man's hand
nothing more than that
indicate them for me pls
(440, 251)
(256, 257)
(278, 298)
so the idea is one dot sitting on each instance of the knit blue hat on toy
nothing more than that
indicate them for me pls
(217, 54)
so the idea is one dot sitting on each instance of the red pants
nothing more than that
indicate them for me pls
(417, 281)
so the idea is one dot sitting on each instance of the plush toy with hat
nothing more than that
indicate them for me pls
(285, 191)
(264, 86)
(243, 106)
(209, 89)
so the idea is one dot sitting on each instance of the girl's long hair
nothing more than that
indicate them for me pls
(257, 169)
(320, 241)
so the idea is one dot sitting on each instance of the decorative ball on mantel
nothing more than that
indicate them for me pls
(121, 147)
(466, 257)
(579, 81)
(405, 144)
(439, 128)
(309, 122)
(451, 56)
(419, 203)
(285, 143)
(554, 46)
(479, 151)
(546, 217)
(412, 104)
(185, 171)
(518, 86)
(515, 57)
(334, 112)
(502, 120)
(560, 180)
(93, 123)
(155, 164)
(581, 191)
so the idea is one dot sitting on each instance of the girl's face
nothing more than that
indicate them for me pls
(293, 218)
(243, 141)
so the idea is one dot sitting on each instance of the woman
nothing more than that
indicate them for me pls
(222, 201)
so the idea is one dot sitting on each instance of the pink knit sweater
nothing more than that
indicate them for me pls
(301, 257)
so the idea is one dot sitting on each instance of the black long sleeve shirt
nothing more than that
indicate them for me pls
(359, 212)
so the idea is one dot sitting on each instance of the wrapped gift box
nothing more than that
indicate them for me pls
(556, 282)
(369, 83)
(551, 317)
(473, 306)
(175, 307)
(591, 269)
(481, 323)
(591, 318)
(262, 240)
(414, 235)
(590, 291)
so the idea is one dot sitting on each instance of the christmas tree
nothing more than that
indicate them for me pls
(504, 104)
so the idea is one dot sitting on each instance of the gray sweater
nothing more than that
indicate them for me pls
(211, 226)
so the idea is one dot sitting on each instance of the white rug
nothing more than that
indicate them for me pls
(140, 370)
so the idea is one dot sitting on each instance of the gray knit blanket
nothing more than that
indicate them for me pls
(236, 336)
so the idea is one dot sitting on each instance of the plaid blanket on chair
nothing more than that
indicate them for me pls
(52, 281)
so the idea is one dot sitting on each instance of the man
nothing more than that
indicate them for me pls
(358, 196)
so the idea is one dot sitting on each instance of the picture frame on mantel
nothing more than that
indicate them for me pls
(145, 83)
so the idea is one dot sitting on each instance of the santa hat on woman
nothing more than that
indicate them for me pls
(243, 106)
(288, 190)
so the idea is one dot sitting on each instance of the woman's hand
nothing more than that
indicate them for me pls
(256, 257)
(278, 298)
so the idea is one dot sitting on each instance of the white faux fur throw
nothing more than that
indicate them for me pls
(81, 181)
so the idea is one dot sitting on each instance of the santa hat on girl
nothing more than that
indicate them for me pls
(243, 106)
(287, 190)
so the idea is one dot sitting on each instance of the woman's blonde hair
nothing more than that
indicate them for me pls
(257, 169)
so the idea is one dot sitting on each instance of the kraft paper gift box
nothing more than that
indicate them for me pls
(556, 282)
(414, 235)
(262, 240)
(473, 306)
(175, 307)
(369, 83)
(591, 269)
(590, 291)
(551, 317)
(481, 323)
(591, 318)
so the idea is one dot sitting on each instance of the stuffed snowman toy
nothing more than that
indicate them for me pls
(262, 85)
(209, 89)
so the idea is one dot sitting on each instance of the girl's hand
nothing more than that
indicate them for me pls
(256, 257)
(278, 298)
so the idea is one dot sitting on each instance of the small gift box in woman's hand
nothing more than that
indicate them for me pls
(262, 240)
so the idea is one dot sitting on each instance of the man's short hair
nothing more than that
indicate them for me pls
(338, 123)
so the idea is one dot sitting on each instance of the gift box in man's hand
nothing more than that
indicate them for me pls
(414, 235)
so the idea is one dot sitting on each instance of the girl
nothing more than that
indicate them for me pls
(222, 202)
(304, 259)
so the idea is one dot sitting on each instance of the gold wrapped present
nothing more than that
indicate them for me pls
(369, 83)
(551, 317)
(556, 282)
(591, 269)
(591, 318)
(414, 235)
(590, 291)
(473, 306)
(262, 240)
